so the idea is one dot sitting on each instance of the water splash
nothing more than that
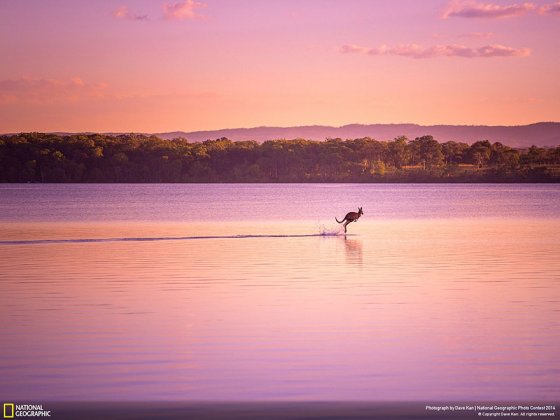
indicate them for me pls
(329, 231)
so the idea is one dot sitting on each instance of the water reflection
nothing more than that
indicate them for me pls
(354, 251)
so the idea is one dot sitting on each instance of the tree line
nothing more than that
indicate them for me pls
(38, 157)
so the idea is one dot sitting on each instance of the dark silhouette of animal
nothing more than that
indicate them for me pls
(350, 217)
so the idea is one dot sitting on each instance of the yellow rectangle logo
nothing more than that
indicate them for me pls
(8, 410)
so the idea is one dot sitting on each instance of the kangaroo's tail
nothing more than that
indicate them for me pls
(338, 220)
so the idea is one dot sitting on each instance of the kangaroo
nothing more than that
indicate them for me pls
(350, 217)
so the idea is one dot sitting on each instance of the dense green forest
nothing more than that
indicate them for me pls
(36, 157)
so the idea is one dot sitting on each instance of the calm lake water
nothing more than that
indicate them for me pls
(251, 292)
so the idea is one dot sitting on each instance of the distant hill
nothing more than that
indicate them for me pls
(539, 134)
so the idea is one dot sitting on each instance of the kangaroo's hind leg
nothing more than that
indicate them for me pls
(346, 224)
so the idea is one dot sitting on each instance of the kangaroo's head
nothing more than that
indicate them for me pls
(360, 211)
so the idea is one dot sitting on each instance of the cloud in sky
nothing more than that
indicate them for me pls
(183, 10)
(45, 91)
(473, 9)
(550, 9)
(477, 35)
(352, 48)
(417, 51)
(122, 12)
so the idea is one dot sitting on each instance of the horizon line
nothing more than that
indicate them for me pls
(276, 127)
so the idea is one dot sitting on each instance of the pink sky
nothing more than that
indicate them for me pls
(157, 65)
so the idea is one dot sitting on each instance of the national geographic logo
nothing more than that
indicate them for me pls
(8, 410)
(12, 410)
